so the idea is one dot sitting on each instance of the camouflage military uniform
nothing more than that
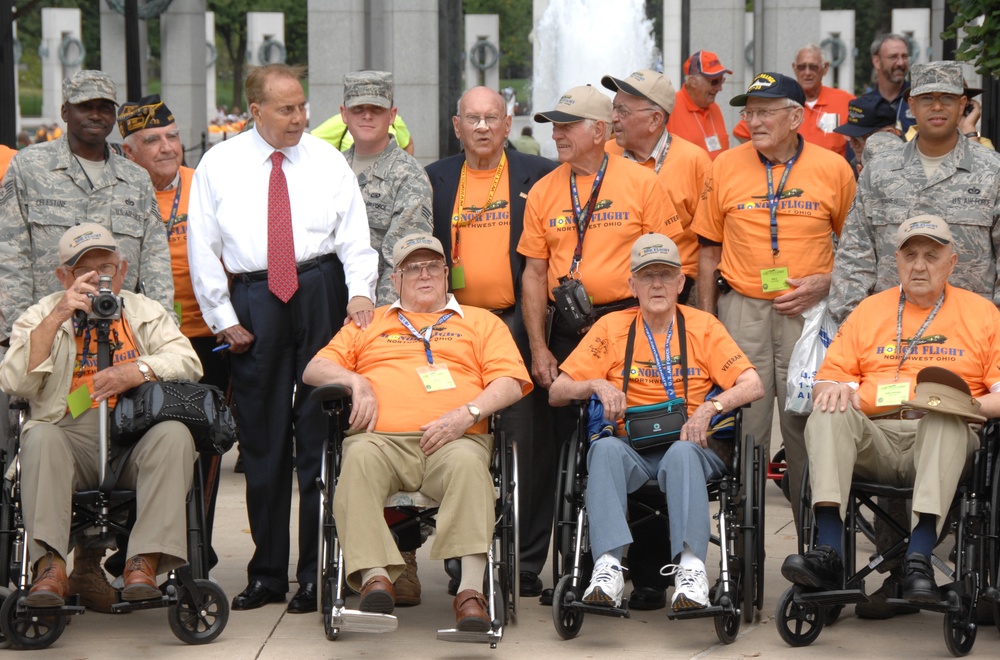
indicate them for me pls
(965, 191)
(44, 192)
(397, 196)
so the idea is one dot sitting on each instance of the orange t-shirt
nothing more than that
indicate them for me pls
(829, 112)
(734, 211)
(631, 203)
(682, 178)
(964, 337)
(476, 348)
(6, 155)
(477, 238)
(712, 357)
(185, 305)
(696, 124)
(84, 369)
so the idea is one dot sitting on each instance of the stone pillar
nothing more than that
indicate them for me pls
(113, 60)
(482, 28)
(264, 27)
(59, 26)
(673, 58)
(718, 26)
(17, 88)
(788, 25)
(915, 24)
(183, 55)
(211, 105)
(838, 27)
(337, 42)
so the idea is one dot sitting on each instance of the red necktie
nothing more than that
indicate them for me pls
(282, 276)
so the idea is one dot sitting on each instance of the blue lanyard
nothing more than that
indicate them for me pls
(427, 335)
(583, 215)
(666, 377)
(773, 199)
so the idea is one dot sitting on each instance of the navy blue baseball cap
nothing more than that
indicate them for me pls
(865, 115)
(769, 85)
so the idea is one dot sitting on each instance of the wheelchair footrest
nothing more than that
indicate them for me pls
(704, 612)
(363, 622)
(71, 608)
(490, 637)
(838, 597)
(124, 606)
(600, 610)
(941, 606)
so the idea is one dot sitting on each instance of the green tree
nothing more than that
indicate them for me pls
(980, 44)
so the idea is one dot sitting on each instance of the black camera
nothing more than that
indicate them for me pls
(573, 303)
(105, 305)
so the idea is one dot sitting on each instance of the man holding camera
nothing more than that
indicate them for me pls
(52, 362)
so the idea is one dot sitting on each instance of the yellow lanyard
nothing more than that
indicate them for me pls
(457, 221)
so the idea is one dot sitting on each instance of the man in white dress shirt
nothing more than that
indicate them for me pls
(286, 300)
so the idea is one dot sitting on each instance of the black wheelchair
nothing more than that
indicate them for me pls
(740, 496)
(198, 609)
(501, 581)
(973, 581)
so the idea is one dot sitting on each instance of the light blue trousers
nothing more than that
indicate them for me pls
(615, 470)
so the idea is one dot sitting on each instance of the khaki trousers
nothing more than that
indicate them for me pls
(376, 465)
(58, 459)
(767, 339)
(930, 455)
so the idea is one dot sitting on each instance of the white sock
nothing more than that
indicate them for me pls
(690, 561)
(607, 559)
(373, 572)
(473, 572)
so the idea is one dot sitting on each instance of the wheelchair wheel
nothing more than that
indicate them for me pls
(799, 624)
(199, 622)
(29, 632)
(753, 474)
(567, 621)
(727, 627)
(960, 631)
(507, 555)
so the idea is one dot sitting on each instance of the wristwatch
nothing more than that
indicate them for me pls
(718, 405)
(474, 411)
(144, 370)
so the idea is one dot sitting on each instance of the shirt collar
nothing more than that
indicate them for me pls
(452, 306)
(654, 156)
(264, 150)
(173, 184)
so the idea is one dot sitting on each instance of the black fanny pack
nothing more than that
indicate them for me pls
(200, 407)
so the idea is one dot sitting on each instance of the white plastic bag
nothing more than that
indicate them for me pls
(807, 356)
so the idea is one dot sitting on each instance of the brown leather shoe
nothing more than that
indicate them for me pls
(378, 595)
(140, 580)
(89, 581)
(51, 586)
(471, 611)
(407, 585)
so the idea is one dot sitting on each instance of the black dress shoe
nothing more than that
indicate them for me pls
(647, 598)
(304, 600)
(256, 595)
(918, 580)
(820, 568)
(531, 584)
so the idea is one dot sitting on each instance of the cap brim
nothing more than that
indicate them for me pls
(716, 74)
(72, 262)
(936, 239)
(377, 101)
(557, 117)
(614, 85)
(93, 98)
(931, 89)
(854, 130)
(653, 262)
(741, 99)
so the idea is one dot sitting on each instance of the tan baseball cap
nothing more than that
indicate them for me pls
(943, 391)
(648, 84)
(930, 226)
(411, 243)
(83, 238)
(651, 249)
(579, 103)
(87, 85)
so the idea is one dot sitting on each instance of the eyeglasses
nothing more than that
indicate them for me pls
(108, 270)
(763, 115)
(647, 276)
(434, 268)
(492, 121)
(715, 82)
(625, 112)
(928, 100)
(808, 66)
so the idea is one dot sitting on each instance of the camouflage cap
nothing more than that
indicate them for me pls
(411, 243)
(930, 226)
(80, 239)
(577, 104)
(944, 77)
(87, 85)
(368, 88)
(647, 84)
(147, 112)
(651, 249)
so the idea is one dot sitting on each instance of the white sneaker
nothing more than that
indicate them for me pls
(606, 586)
(690, 588)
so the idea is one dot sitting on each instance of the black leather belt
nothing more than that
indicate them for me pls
(505, 311)
(301, 267)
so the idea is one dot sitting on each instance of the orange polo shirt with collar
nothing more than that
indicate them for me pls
(831, 101)
(696, 124)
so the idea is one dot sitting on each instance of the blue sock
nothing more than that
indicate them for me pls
(829, 528)
(923, 535)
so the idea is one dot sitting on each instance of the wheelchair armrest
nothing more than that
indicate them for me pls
(333, 397)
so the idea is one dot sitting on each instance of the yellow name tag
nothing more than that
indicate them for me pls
(78, 401)
(892, 393)
(774, 279)
(436, 377)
